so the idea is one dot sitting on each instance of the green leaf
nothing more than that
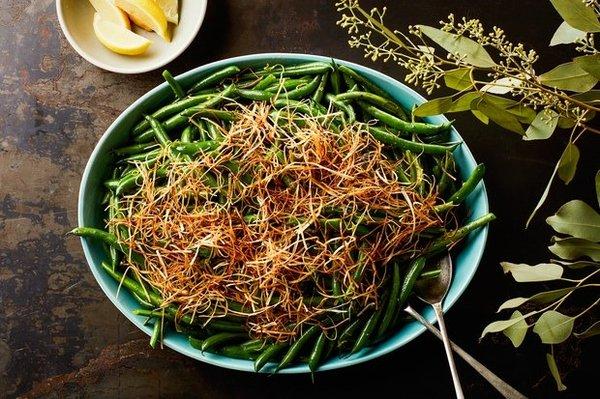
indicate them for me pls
(540, 298)
(434, 107)
(581, 264)
(458, 79)
(590, 97)
(524, 114)
(553, 327)
(543, 125)
(472, 52)
(590, 64)
(574, 248)
(516, 333)
(597, 181)
(566, 34)
(498, 115)
(502, 85)
(554, 371)
(569, 76)
(576, 14)
(567, 165)
(577, 219)
(544, 195)
(524, 273)
(502, 325)
(463, 103)
(566, 123)
(482, 117)
(591, 331)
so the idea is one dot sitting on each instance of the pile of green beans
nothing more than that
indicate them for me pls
(193, 123)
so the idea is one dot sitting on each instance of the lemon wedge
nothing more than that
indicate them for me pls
(119, 39)
(146, 14)
(170, 8)
(110, 12)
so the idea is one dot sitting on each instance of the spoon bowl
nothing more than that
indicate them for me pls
(432, 290)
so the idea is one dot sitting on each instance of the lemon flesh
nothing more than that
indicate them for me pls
(146, 14)
(110, 12)
(170, 8)
(118, 39)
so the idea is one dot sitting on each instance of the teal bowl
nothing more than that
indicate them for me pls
(465, 260)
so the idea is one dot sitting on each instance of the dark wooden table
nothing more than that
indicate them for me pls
(61, 337)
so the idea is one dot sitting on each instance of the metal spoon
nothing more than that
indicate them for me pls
(505, 390)
(433, 291)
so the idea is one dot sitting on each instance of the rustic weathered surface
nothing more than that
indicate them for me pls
(61, 337)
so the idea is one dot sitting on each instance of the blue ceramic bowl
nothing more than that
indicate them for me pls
(91, 191)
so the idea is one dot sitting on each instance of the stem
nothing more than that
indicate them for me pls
(560, 302)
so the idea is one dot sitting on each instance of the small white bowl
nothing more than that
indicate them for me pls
(76, 21)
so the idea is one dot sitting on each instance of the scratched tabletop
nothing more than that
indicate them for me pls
(61, 337)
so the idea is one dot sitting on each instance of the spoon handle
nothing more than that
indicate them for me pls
(440, 318)
(501, 386)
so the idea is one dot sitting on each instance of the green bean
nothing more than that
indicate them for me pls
(134, 149)
(213, 131)
(143, 156)
(404, 126)
(360, 266)
(364, 338)
(199, 110)
(302, 91)
(345, 107)
(451, 237)
(108, 238)
(221, 338)
(403, 144)
(348, 333)
(416, 171)
(194, 148)
(288, 84)
(210, 113)
(314, 68)
(393, 302)
(349, 82)
(317, 352)
(254, 94)
(382, 102)
(135, 287)
(464, 191)
(265, 82)
(414, 271)
(318, 94)
(189, 133)
(195, 343)
(175, 86)
(159, 132)
(172, 109)
(214, 78)
(293, 105)
(336, 290)
(269, 353)
(297, 346)
(253, 345)
(132, 180)
(171, 313)
(356, 77)
(335, 79)
(156, 333)
(339, 224)
(237, 352)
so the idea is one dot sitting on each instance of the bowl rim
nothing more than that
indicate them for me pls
(127, 71)
(231, 363)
